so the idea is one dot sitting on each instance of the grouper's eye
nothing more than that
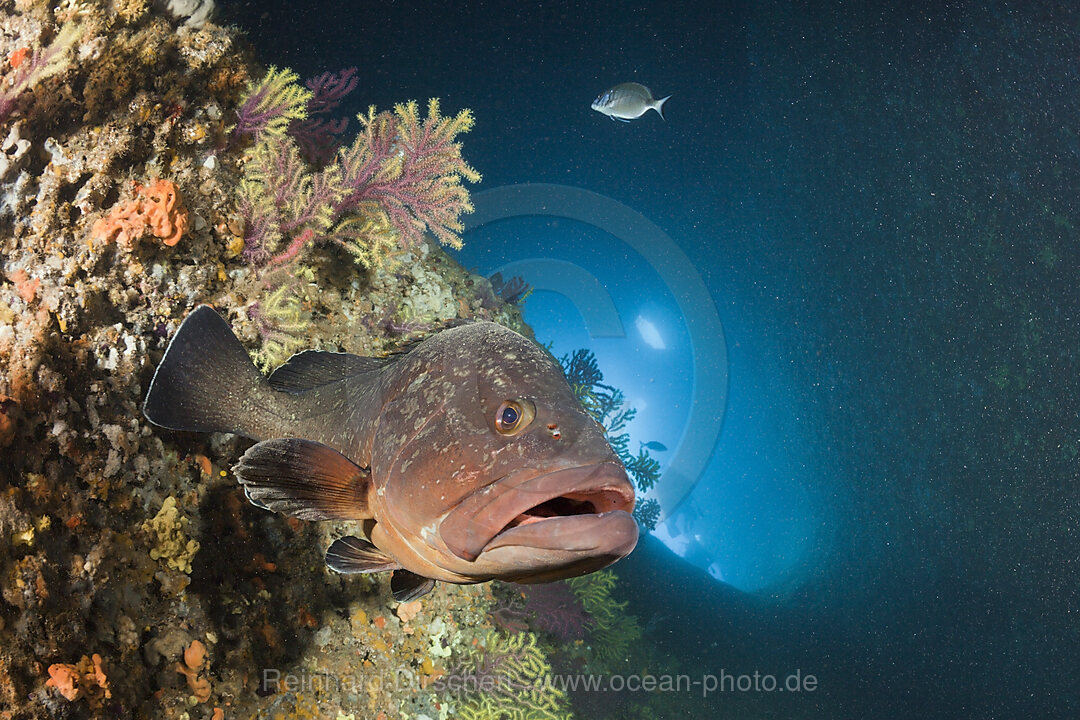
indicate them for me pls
(513, 416)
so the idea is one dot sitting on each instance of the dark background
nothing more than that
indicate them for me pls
(886, 196)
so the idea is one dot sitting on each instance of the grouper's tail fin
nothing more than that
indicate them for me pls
(206, 382)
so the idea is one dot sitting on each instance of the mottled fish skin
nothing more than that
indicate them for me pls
(435, 453)
(628, 101)
(448, 496)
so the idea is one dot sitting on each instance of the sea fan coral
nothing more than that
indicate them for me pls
(319, 134)
(513, 291)
(508, 676)
(402, 176)
(286, 206)
(30, 68)
(615, 631)
(556, 610)
(271, 104)
(552, 608)
(608, 406)
(413, 169)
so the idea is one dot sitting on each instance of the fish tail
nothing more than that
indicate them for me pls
(659, 106)
(206, 382)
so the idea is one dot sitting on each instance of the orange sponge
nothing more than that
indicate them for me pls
(157, 209)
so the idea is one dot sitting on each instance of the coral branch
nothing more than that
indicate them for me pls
(513, 291)
(556, 610)
(413, 169)
(281, 200)
(271, 104)
(328, 89)
(293, 251)
(318, 136)
(615, 631)
(607, 405)
(508, 676)
(42, 63)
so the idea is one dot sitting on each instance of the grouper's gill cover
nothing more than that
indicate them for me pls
(467, 458)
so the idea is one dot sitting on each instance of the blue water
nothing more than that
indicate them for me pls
(881, 204)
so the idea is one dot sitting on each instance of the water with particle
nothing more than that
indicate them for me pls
(876, 205)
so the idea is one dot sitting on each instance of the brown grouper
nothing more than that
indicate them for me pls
(465, 458)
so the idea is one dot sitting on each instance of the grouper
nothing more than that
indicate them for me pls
(464, 458)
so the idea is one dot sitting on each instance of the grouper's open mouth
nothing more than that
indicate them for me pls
(578, 510)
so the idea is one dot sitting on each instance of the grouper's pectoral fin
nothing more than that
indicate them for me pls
(407, 586)
(304, 479)
(355, 555)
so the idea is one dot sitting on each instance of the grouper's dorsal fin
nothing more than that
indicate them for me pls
(304, 479)
(314, 368)
(355, 555)
(409, 345)
(406, 586)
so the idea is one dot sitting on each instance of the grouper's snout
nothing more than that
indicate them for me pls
(577, 516)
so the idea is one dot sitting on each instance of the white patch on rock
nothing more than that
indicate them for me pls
(194, 13)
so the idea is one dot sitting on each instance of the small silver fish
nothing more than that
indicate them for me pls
(628, 101)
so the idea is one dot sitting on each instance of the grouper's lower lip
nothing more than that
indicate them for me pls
(541, 511)
(611, 533)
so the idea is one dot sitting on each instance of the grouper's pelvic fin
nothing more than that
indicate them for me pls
(407, 586)
(206, 382)
(356, 555)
